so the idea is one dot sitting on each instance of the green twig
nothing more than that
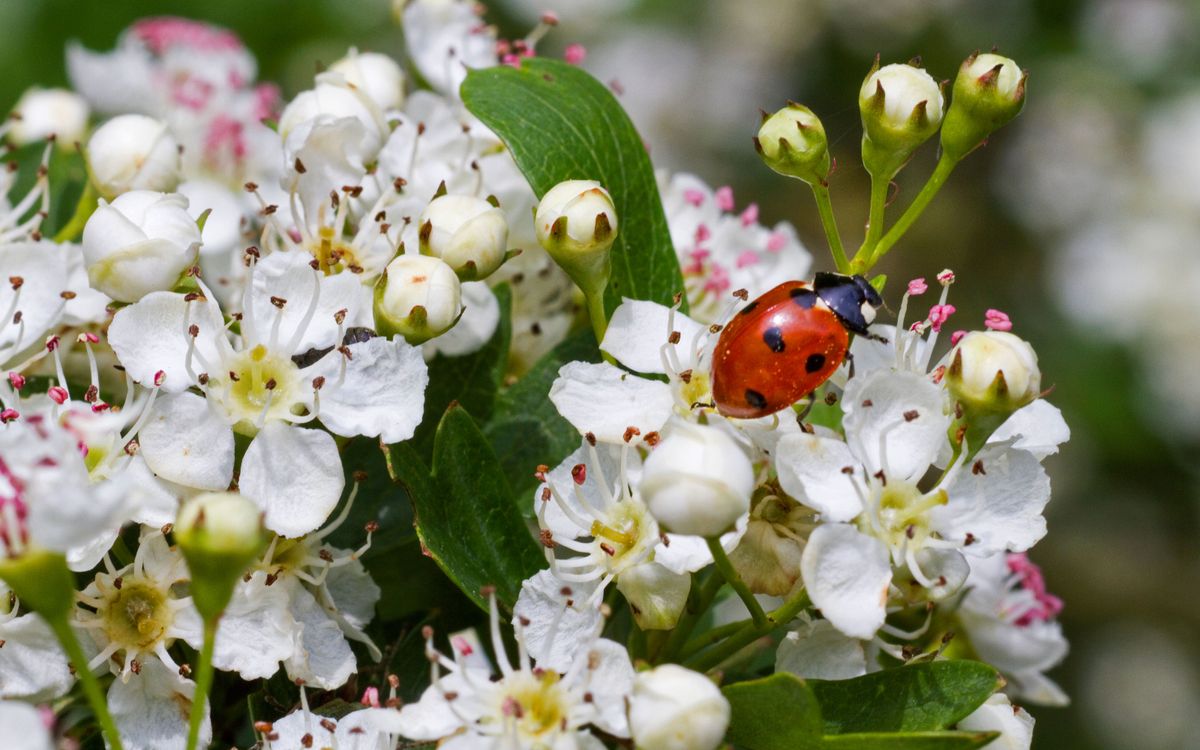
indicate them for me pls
(936, 180)
(696, 607)
(727, 571)
(91, 685)
(829, 224)
(879, 193)
(204, 679)
(708, 638)
(749, 633)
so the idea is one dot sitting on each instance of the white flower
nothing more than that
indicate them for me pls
(31, 298)
(878, 515)
(817, 650)
(528, 705)
(587, 212)
(25, 726)
(42, 113)
(33, 666)
(997, 714)
(378, 75)
(133, 152)
(446, 37)
(418, 297)
(139, 243)
(1010, 620)
(468, 233)
(332, 99)
(697, 480)
(673, 708)
(223, 237)
(364, 729)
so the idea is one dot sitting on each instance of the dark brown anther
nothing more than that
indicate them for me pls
(715, 328)
(325, 555)
(135, 666)
(339, 317)
(911, 414)
(652, 439)
(546, 537)
(278, 302)
(579, 473)
(268, 210)
(608, 549)
(686, 376)
(674, 337)
(546, 494)
(193, 330)
(630, 433)
(371, 527)
(969, 539)
(185, 670)
(233, 376)
(251, 187)
(92, 394)
(359, 475)
(306, 740)
(881, 477)
(202, 378)
(867, 403)
(398, 184)
(68, 294)
(16, 281)
(831, 398)
(977, 467)
(118, 582)
(741, 294)
(270, 384)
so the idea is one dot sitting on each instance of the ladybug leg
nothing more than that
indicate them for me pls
(850, 362)
(810, 399)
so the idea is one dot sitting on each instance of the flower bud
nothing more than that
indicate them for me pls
(333, 98)
(42, 581)
(993, 371)
(988, 92)
(418, 297)
(673, 708)
(769, 553)
(139, 243)
(577, 224)
(133, 152)
(41, 113)
(792, 142)
(468, 233)
(377, 75)
(220, 534)
(697, 481)
(901, 107)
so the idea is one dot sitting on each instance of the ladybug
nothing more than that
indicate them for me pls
(782, 346)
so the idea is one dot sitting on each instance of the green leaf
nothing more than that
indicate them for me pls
(910, 741)
(471, 380)
(562, 124)
(465, 517)
(778, 712)
(527, 430)
(916, 698)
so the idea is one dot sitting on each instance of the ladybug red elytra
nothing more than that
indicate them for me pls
(782, 346)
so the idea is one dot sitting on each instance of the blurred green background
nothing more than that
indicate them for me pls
(1034, 224)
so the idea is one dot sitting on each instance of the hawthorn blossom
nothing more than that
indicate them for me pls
(33, 666)
(878, 517)
(446, 38)
(362, 729)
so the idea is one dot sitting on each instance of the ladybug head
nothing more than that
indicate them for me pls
(851, 298)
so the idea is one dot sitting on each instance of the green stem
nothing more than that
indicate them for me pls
(749, 633)
(829, 224)
(83, 211)
(879, 193)
(936, 180)
(727, 571)
(706, 639)
(696, 607)
(596, 313)
(204, 679)
(91, 685)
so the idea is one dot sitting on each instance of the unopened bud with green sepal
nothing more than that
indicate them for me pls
(901, 107)
(418, 297)
(220, 535)
(988, 92)
(991, 374)
(576, 223)
(41, 580)
(793, 143)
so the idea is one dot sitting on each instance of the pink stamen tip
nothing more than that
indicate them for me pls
(957, 337)
(747, 258)
(579, 473)
(917, 287)
(724, 198)
(503, 47)
(8, 415)
(17, 380)
(575, 54)
(159, 377)
(776, 242)
(702, 233)
(694, 197)
(699, 254)
(370, 697)
(938, 315)
(750, 215)
(88, 337)
(718, 279)
(917, 327)
(997, 320)
(462, 645)
(946, 278)
(550, 18)
(57, 394)
(100, 406)
(52, 343)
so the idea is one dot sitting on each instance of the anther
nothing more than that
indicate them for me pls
(674, 337)
(590, 437)
(977, 467)
(278, 302)
(630, 433)
(741, 294)
(652, 439)
(579, 473)
(911, 414)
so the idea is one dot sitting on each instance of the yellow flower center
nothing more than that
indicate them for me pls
(137, 615)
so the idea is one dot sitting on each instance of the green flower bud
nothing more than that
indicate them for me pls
(792, 142)
(40, 578)
(901, 107)
(576, 223)
(418, 297)
(469, 233)
(220, 534)
(991, 375)
(988, 92)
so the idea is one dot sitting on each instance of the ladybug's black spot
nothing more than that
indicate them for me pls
(814, 362)
(756, 399)
(806, 298)
(749, 308)
(773, 337)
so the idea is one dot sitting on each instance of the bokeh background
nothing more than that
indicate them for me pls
(1081, 220)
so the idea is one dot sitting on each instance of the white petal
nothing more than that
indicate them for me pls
(1038, 428)
(847, 576)
(684, 553)
(383, 394)
(481, 315)
(84, 557)
(151, 709)
(186, 443)
(559, 523)
(638, 331)
(656, 594)
(562, 617)
(33, 666)
(605, 400)
(354, 592)
(998, 500)
(812, 470)
(431, 717)
(947, 568)
(997, 714)
(256, 631)
(299, 727)
(152, 502)
(818, 651)
(294, 475)
(288, 276)
(610, 682)
(322, 657)
(24, 727)
(152, 336)
(42, 267)
(895, 421)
